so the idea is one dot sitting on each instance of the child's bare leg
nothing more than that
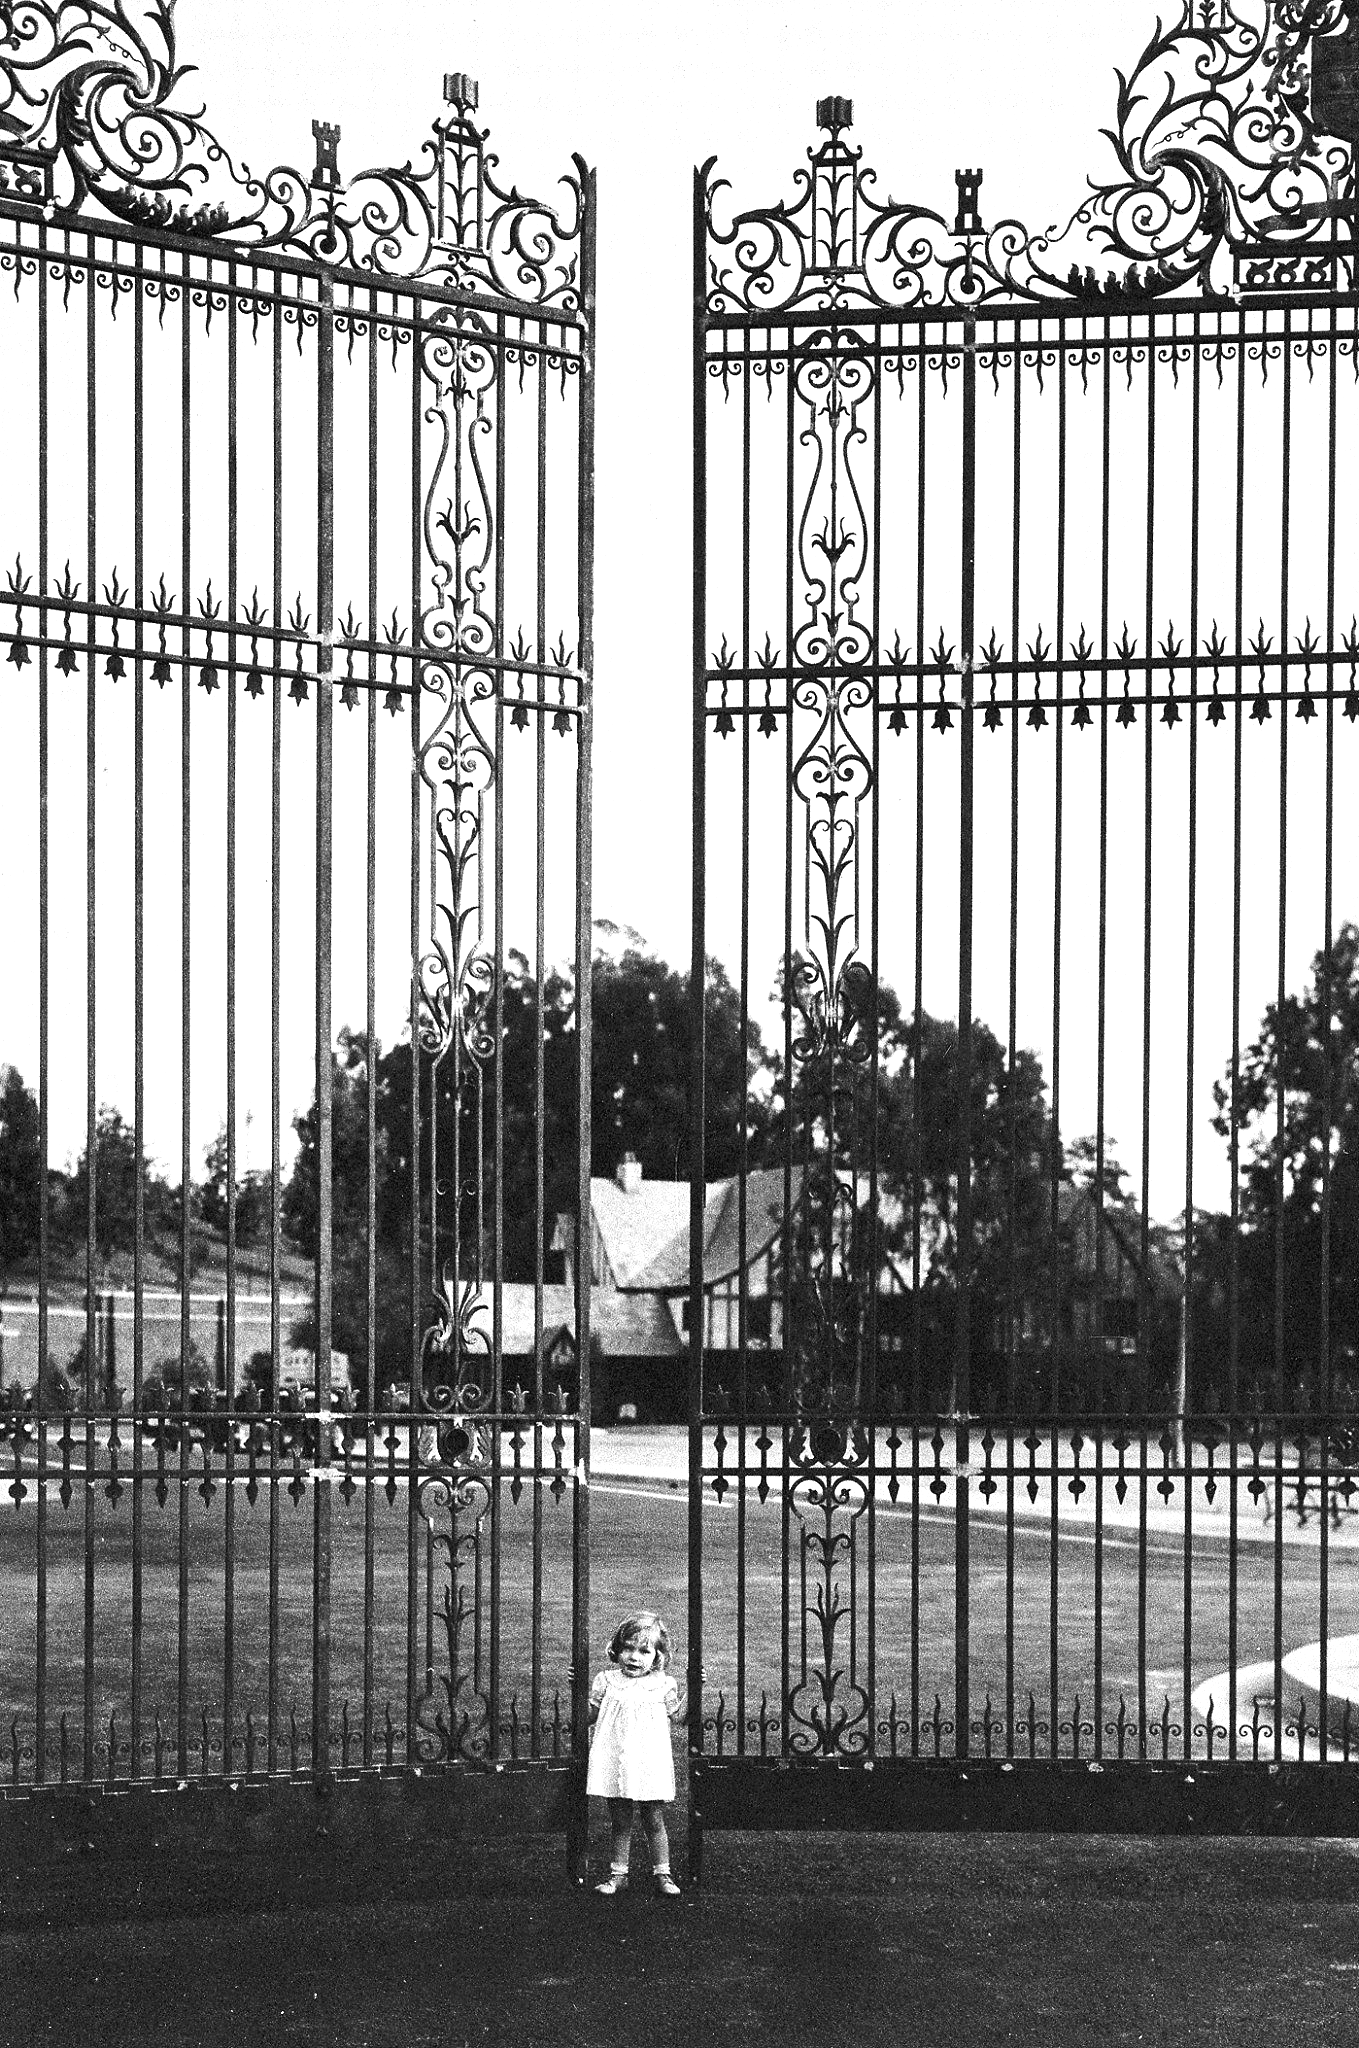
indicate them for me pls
(653, 1820)
(620, 1819)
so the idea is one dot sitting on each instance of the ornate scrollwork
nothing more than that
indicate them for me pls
(453, 1716)
(827, 1491)
(826, 983)
(454, 1355)
(456, 760)
(1224, 149)
(91, 122)
(458, 636)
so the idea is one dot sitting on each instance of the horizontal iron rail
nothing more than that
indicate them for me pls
(242, 254)
(242, 627)
(929, 672)
(1065, 312)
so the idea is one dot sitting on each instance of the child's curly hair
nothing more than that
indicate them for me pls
(633, 1627)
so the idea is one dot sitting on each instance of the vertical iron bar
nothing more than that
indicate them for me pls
(1327, 1384)
(1281, 1390)
(1143, 1331)
(87, 1393)
(370, 1035)
(414, 1297)
(585, 588)
(1187, 1294)
(1055, 1139)
(539, 1077)
(229, 1503)
(275, 1002)
(963, 1342)
(44, 1194)
(1012, 1277)
(786, 1391)
(870, 1259)
(1101, 970)
(1234, 1134)
(697, 1007)
(498, 1075)
(138, 991)
(325, 1091)
(186, 1005)
(917, 1049)
(747, 373)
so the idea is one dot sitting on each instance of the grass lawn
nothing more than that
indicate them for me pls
(209, 1600)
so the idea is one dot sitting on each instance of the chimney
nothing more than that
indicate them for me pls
(629, 1174)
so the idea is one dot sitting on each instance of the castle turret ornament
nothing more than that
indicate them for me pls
(1335, 81)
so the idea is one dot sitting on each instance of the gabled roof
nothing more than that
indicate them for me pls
(635, 1225)
(668, 1272)
(1122, 1221)
(627, 1325)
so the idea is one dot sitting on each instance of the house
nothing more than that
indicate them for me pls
(637, 1358)
(640, 1289)
(639, 1273)
(1109, 1235)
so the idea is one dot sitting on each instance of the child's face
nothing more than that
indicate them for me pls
(637, 1656)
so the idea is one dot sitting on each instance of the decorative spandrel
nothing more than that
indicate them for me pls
(95, 121)
(1232, 137)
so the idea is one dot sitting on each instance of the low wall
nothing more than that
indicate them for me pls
(66, 1326)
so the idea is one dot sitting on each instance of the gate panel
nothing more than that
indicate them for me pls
(298, 632)
(1020, 1429)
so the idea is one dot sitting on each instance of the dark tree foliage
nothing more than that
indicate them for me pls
(462, 1131)
(21, 1169)
(872, 1118)
(252, 1196)
(639, 1102)
(115, 1189)
(1305, 1061)
(300, 1215)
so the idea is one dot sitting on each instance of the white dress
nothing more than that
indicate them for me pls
(630, 1752)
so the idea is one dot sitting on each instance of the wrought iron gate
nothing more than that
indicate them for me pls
(1025, 677)
(299, 506)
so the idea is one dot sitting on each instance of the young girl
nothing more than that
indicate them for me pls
(631, 1707)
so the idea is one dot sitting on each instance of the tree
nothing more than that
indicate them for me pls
(21, 1171)
(639, 1103)
(870, 1114)
(640, 1081)
(253, 1196)
(1305, 1062)
(1086, 1170)
(300, 1213)
(115, 1187)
